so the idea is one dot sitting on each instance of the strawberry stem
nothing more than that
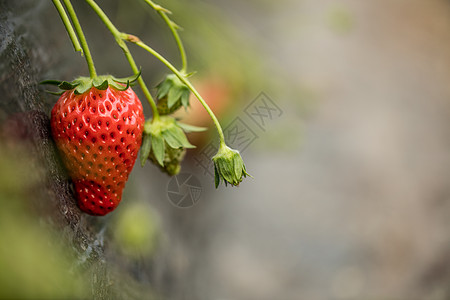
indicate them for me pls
(69, 28)
(81, 37)
(173, 28)
(183, 79)
(119, 39)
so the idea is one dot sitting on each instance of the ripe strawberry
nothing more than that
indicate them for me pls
(98, 131)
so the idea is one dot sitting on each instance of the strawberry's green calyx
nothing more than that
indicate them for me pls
(168, 129)
(164, 143)
(171, 95)
(228, 166)
(159, 134)
(83, 84)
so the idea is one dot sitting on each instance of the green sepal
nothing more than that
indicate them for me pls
(173, 92)
(228, 166)
(64, 85)
(163, 89)
(176, 138)
(83, 84)
(168, 143)
(190, 74)
(53, 82)
(190, 128)
(158, 149)
(173, 96)
(185, 98)
(128, 80)
(119, 86)
(83, 87)
(238, 167)
(117, 83)
(55, 93)
(216, 177)
(100, 86)
(145, 148)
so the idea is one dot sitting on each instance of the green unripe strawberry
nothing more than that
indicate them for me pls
(172, 160)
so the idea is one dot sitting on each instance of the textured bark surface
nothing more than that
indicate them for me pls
(24, 119)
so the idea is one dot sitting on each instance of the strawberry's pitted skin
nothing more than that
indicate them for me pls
(98, 134)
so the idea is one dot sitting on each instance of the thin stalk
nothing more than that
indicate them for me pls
(66, 21)
(172, 26)
(80, 34)
(120, 37)
(120, 41)
(185, 81)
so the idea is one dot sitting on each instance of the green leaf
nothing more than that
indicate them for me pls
(190, 128)
(145, 148)
(158, 149)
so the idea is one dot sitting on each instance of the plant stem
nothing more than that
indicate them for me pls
(120, 41)
(121, 37)
(186, 82)
(163, 13)
(66, 21)
(80, 34)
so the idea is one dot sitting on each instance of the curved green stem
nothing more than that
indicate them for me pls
(173, 28)
(186, 82)
(120, 37)
(80, 34)
(66, 21)
(120, 41)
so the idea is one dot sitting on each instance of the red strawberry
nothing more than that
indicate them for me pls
(98, 132)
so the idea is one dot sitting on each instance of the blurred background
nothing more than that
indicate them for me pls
(340, 109)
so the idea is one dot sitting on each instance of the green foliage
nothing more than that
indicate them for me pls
(34, 263)
(136, 231)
